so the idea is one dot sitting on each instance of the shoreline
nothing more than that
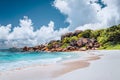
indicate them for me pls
(73, 68)
(63, 68)
(76, 64)
(83, 57)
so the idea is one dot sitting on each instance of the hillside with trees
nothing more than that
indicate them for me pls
(108, 38)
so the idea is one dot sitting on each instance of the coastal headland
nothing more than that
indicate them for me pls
(80, 41)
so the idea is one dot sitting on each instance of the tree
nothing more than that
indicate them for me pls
(66, 40)
(86, 34)
(74, 38)
(114, 36)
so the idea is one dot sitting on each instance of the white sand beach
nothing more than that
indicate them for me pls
(98, 65)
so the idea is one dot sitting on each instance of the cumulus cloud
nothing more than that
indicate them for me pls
(83, 15)
(4, 31)
(24, 31)
(47, 33)
(24, 34)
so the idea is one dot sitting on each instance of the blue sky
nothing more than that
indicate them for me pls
(40, 11)
(33, 22)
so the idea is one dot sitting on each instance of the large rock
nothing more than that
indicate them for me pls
(52, 41)
(96, 45)
(83, 41)
(70, 48)
(44, 49)
(77, 32)
(73, 43)
(70, 34)
(86, 40)
(66, 35)
(82, 49)
(25, 48)
(93, 40)
(88, 43)
(31, 49)
(80, 43)
(64, 49)
(59, 49)
(54, 44)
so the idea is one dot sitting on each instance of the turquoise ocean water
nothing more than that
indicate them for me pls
(12, 60)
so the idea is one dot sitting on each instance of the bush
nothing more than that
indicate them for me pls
(74, 38)
(86, 34)
(49, 46)
(114, 37)
(65, 45)
(102, 40)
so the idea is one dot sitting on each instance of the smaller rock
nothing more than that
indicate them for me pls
(83, 49)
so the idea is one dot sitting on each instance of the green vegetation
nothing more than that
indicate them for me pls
(107, 38)
(86, 34)
(65, 45)
(74, 38)
(109, 46)
(110, 38)
(66, 40)
(70, 39)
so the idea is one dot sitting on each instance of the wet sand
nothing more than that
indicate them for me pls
(74, 65)
(46, 72)
(106, 68)
(70, 70)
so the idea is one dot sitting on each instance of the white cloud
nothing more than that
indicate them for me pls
(91, 26)
(83, 15)
(4, 31)
(24, 31)
(62, 6)
(24, 34)
(47, 33)
(80, 14)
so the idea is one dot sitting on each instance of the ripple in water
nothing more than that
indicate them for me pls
(13, 60)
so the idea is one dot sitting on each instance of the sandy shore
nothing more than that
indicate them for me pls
(106, 68)
(98, 65)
